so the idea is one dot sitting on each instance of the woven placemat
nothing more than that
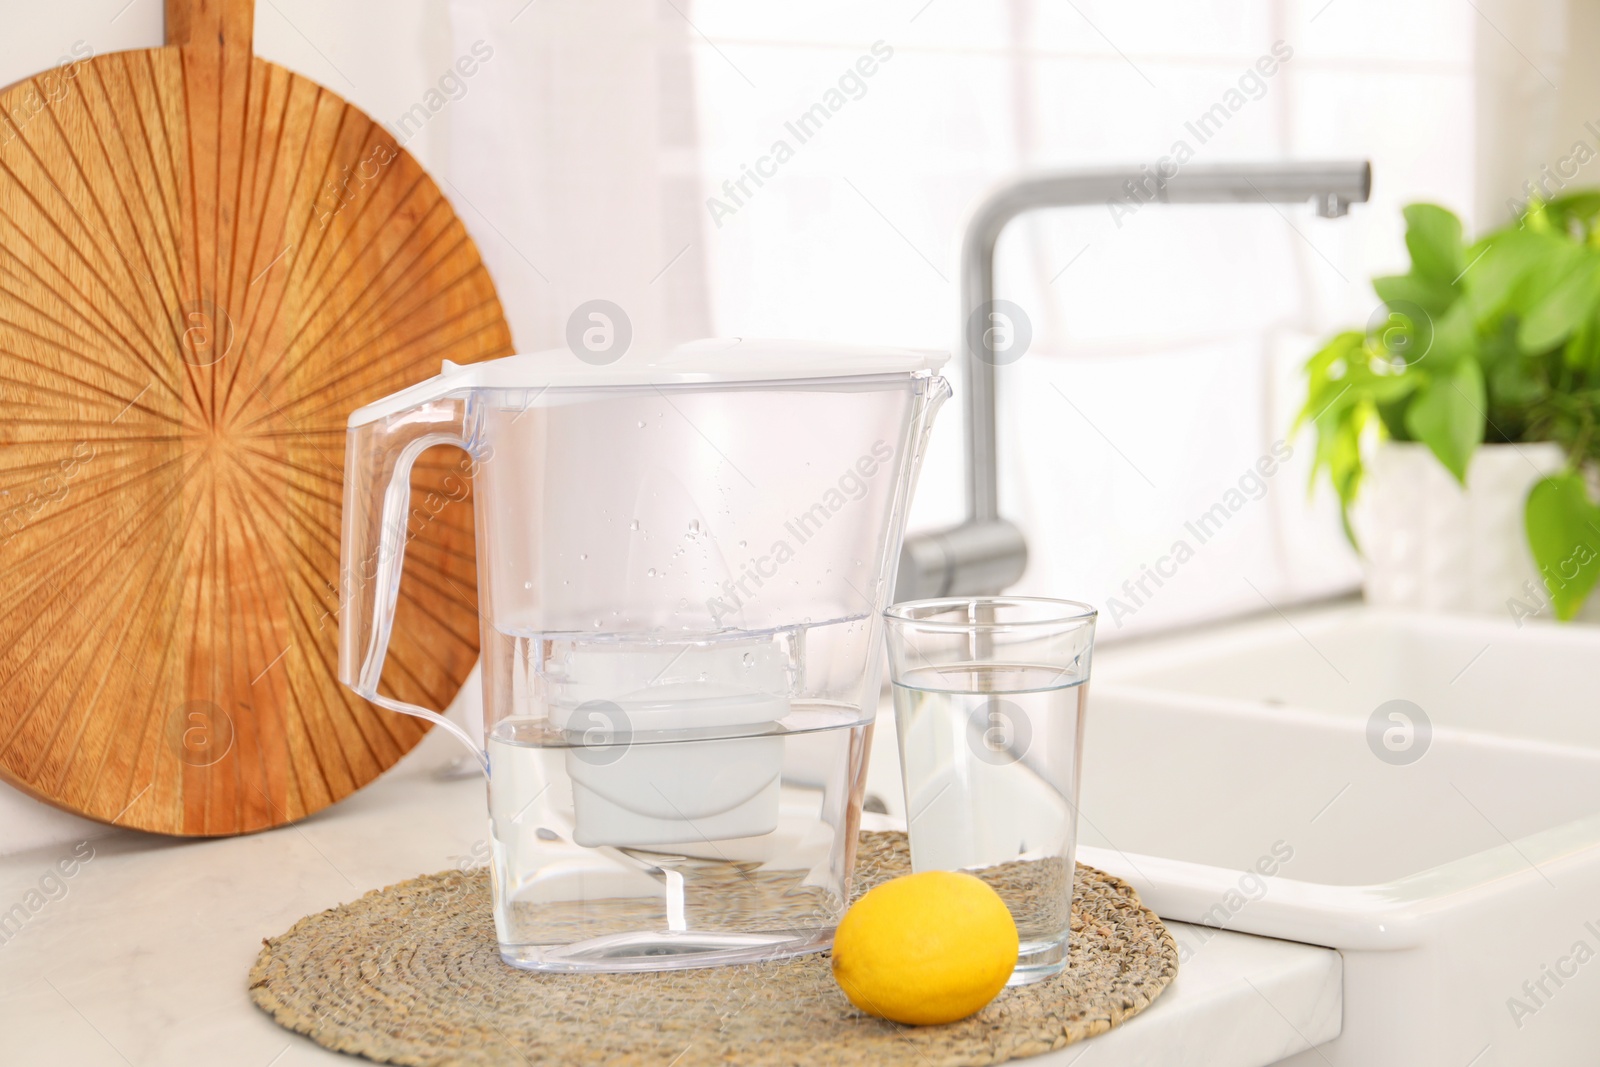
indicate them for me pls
(412, 975)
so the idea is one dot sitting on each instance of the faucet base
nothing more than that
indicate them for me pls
(973, 559)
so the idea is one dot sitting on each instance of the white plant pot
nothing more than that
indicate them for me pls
(1429, 544)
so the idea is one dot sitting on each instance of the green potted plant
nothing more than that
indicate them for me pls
(1483, 363)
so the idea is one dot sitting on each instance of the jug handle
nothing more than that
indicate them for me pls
(377, 494)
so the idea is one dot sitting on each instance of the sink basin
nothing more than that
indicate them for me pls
(1420, 792)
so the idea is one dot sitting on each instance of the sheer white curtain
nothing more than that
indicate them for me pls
(564, 133)
(573, 160)
(1143, 438)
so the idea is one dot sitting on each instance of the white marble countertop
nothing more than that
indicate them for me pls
(142, 959)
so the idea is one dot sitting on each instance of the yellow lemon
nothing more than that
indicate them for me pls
(925, 948)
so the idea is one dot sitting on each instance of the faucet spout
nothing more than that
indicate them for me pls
(985, 554)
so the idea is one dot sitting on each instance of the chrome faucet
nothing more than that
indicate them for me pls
(986, 553)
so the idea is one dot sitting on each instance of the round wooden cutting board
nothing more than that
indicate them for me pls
(206, 262)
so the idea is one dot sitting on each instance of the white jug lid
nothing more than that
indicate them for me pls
(713, 361)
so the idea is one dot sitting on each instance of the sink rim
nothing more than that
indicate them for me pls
(1390, 915)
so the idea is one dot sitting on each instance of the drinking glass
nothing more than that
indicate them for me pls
(989, 698)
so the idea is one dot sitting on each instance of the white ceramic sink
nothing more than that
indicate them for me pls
(1256, 778)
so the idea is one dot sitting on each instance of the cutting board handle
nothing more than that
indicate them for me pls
(224, 25)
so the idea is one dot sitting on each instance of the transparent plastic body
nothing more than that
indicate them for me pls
(680, 589)
(989, 701)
